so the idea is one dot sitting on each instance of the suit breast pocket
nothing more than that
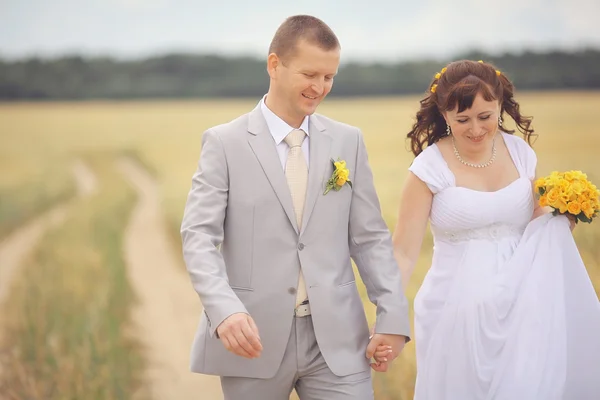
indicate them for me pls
(338, 202)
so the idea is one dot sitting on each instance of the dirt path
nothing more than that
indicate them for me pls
(15, 247)
(168, 309)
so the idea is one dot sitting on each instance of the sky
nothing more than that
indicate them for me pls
(369, 31)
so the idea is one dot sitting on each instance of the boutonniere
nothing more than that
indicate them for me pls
(339, 177)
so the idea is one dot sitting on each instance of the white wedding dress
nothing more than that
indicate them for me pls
(507, 310)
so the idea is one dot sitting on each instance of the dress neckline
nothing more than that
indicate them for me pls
(510, 149)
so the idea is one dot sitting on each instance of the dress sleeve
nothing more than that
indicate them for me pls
(527, 156)
(430, 167)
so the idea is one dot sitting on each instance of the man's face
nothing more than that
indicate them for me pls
(305, 78)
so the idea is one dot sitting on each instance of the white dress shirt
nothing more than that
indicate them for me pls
(280, 129)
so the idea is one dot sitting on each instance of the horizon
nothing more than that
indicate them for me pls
(91, 57)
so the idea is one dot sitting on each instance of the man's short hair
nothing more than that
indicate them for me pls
(302, 27)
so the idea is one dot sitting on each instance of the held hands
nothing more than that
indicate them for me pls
(384, 348)
(239, 335)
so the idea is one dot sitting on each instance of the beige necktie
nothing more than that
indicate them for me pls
(296, 173)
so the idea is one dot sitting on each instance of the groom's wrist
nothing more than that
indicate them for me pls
(397, 331)
(218, 316)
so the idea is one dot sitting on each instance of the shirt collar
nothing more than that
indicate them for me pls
(279, 128)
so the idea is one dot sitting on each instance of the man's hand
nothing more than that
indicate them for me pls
(239, 335)
(385, 348)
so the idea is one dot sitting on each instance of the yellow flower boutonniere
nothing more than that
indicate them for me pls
(339, 177)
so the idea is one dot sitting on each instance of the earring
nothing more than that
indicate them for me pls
(448, 131)
(499, 120)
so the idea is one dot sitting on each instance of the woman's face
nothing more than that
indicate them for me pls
(474, 128)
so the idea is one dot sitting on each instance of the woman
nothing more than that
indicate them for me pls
(507, 310)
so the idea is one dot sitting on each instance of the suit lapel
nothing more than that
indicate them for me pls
(264, 148)
(320, 144)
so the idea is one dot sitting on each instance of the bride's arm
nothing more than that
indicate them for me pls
(413, 213)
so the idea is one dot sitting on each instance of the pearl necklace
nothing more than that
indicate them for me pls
(487, 164)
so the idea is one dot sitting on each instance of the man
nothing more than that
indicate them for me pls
(269, 252)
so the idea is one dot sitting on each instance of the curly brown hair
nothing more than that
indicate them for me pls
(457, 85)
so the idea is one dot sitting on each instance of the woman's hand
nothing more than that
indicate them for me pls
(572, 221)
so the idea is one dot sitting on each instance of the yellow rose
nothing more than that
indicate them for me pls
(566, 195)
(577, 187)
(585, 185)
(553, 195)
(544, 201)
(340, 165)
(586, 192)
(574, 208)
(340, 181)
(586, 208)
(563, 184)
(594, 193)
(569, 176)
(343, 173)
(579, 175)
(573, 196)
(539, 184)
(561, 206)
(554, 175)
(557, 182)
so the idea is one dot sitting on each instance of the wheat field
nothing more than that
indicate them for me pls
(39, 140)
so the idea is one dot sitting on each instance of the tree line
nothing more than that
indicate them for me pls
(211, 76)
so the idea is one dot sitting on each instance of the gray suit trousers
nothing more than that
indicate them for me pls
(304, 369)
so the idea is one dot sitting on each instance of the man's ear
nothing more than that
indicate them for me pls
(273, 63)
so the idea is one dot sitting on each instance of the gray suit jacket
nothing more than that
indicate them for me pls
(243, 249)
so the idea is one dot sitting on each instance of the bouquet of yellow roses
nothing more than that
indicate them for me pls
(569, 193)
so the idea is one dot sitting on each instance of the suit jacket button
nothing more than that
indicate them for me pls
(301, 246)
(292, 290)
